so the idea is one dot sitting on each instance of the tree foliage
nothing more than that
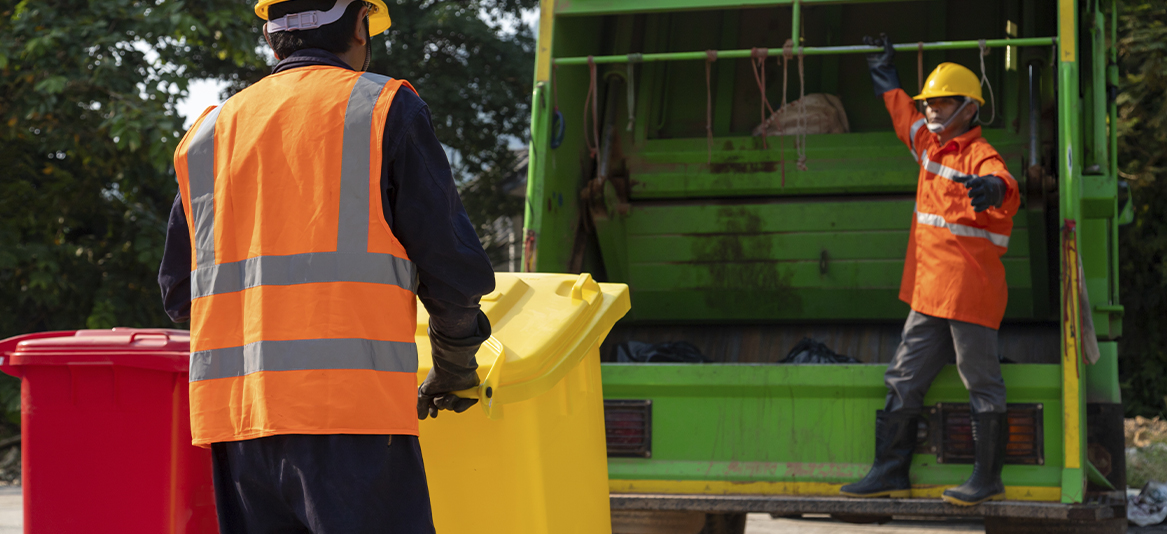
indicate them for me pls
(1142, 131)
(88, 127)
(472, 62)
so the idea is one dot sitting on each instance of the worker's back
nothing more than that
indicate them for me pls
(303, 308)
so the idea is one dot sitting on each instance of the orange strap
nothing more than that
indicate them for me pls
(593, 142)
(758, 56)
(919, 67)
(555, 86)
(800, 138)
(787, 55)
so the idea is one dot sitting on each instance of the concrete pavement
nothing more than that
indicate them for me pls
(11, 510)
(764, 524)
(12, 522)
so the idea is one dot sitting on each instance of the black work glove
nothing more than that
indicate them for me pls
(985, 191)
(454, 369)
(882, 65)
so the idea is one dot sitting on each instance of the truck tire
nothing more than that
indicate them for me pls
(724, 524)
(1010, 525)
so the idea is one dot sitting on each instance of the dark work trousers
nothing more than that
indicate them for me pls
(329, 484)
(928, 344)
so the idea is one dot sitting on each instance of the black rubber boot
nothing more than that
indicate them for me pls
(990, 432)
(895, 439)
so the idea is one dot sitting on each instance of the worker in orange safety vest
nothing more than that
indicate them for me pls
(953, 277)
(315, 208)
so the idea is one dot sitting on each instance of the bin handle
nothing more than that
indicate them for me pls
(148, 335)
(583, 284)
(486, 391)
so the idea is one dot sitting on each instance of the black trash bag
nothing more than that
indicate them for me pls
(672, 352)
(811, 351)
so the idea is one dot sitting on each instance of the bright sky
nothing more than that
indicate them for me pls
(202, 94)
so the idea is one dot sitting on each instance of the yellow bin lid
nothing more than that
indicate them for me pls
(543, 326)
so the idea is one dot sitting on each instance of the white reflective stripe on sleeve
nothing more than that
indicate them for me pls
(912, 136)
(962, 230)
(944, 171)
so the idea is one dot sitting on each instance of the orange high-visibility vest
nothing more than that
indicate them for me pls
(303, 307)
(953, 267)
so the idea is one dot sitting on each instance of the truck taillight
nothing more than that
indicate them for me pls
(628, 426)
(954, 443)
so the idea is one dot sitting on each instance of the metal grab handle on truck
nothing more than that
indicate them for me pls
(486, 391)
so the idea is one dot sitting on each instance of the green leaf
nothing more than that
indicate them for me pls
(52, 85)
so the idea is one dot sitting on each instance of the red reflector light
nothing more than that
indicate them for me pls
(628, 427)
(955, 444)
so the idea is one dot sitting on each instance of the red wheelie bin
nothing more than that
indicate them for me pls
(105, 433)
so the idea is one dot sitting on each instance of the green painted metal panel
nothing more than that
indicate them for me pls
(859, 214)
(784, 260)
(791, 246)
(782, 304)
(836, 164)
(1102, 376)
(803, 423)
(767, 304)
(774, 275)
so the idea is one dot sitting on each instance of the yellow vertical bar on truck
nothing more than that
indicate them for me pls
(1070, 187)
(543, 55)
(1071, 358)
(1067, 34)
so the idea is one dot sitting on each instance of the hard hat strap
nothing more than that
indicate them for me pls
(308, 20)
(938, 128)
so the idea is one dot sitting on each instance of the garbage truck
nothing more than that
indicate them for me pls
(729, 162)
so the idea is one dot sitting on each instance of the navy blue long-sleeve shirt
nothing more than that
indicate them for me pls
(421, 206)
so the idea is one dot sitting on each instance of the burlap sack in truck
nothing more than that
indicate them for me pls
(823, 114)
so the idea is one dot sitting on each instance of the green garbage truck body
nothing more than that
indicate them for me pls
(647, 168)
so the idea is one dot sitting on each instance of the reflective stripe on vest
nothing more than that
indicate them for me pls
(961, 229)
(944, 171)
(200, 158)
(351, 262)
(912, 137)
(303, 355)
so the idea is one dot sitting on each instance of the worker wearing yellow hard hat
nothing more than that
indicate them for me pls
(289, 21)
(378, 13)
(953, 278)
(315, 209)
(950, 79)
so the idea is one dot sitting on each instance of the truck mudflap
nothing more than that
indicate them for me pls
(873, 510)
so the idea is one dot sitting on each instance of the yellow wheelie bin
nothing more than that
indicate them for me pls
(530, 458)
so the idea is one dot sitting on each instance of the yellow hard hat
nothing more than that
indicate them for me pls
(378, 14)
(950, 79)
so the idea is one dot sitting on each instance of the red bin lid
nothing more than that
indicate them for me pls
(148, 348)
